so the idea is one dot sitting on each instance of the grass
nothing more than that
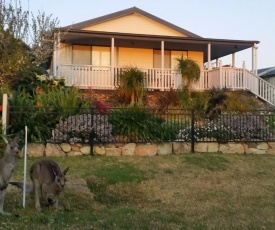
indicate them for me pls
(188, 191)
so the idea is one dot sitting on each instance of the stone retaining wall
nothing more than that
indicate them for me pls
(132, 149)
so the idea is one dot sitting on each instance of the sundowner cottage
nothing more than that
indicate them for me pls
(90, 54)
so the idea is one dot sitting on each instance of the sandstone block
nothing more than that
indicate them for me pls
(146, 150)
(74, 153)
(263, 146)
(181, 147)
(271, 149)
(85, 150)
(76, 147)
(35, 150)
(113, 151)
(208, 147)
(232, 148)
(99, 150)
(66, 147)
(109, 145)
(255, 151)
(164, 148)
(54, 150)
(128, 149)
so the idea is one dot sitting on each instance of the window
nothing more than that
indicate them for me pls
(157, 59)
(175, 55)
(101, 56)
(81, 55)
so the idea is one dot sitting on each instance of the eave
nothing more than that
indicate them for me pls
(219, 47)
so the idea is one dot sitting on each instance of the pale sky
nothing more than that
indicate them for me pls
(223, 19)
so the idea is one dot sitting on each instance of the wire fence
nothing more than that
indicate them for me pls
(139, 125)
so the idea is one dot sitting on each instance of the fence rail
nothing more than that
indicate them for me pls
(139, 125)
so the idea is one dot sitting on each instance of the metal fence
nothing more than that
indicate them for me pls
(139, 125)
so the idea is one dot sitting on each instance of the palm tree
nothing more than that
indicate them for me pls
(132, 84)
(190, 71)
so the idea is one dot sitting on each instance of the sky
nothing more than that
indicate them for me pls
(221, 19)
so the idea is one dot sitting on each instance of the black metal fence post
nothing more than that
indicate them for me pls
(92, 132)
(192, 131)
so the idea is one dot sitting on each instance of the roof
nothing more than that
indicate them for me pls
(267, 72)
(122, 13)
(75, 34)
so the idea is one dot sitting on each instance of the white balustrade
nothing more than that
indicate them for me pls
(101, 77)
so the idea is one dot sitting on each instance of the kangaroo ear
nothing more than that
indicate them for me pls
(66, 170)
(54, 172)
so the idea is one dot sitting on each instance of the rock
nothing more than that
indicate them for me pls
(113, 151)
(109, 145)
(85, 150)
(35, 150)
(181, 147)
(255, 151)
(271, 149)
(66, 147)
(76, 147)
(232, 148)
(208, 147)
(128, 149)
(99, 150)
(53, 150)
(164, 148)
(74, 153)
(263, 146)
(146, 150)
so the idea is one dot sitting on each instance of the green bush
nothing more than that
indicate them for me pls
(41, 111)
(140, 125)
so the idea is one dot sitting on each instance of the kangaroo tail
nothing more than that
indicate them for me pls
(29, 189)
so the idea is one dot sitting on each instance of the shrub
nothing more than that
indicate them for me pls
(167, 99)
(230, 126)
(41, 111)
(140, 125)
(131, 84)
(83, 127)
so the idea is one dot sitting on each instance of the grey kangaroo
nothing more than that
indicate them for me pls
(7, 167)
(47, 179)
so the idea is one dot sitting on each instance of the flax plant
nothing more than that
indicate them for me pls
(131, 83)
(190, 71)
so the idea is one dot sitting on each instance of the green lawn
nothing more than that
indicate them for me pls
(188, 191)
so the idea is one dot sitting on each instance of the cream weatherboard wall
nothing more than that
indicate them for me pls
(137, 57)
(196, 56)
(135, 24)
(141, 58)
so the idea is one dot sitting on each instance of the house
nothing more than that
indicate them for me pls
(91, 54)
(268, 74)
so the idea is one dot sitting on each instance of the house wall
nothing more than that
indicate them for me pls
(65, 54)
(270, 80)
(137, 57)
(136, 24)
(196, 56)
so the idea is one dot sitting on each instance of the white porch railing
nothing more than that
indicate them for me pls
(95, 77)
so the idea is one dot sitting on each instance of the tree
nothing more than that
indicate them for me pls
(190, 71)
(132, 84)
(42, 35)
(21, 59)
(14, 20)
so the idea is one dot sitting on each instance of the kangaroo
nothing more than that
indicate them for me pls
(7, 167)
(47, 179)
